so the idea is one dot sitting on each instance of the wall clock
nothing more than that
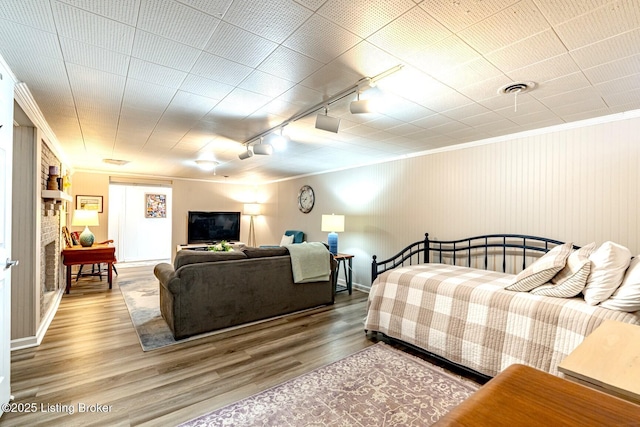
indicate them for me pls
(306, 199)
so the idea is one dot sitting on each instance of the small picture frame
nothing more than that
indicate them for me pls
(89, 203)
(155, 205)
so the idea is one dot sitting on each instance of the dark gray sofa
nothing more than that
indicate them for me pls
(205, 291)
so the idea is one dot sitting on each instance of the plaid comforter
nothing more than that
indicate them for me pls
(464, 315)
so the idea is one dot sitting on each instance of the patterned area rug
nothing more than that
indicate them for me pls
(377, 386)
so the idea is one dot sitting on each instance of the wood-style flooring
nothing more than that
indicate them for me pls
(91, 355)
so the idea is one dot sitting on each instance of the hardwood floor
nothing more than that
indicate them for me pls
(91, 355)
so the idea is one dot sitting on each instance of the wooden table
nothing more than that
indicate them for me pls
(347, 265)
(96, 254)
(524, 396)
(608, 360)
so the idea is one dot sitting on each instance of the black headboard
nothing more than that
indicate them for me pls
(498, 251)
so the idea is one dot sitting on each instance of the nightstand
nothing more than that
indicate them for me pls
(608, 360)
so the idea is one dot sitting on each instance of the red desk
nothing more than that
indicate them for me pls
(95, 254)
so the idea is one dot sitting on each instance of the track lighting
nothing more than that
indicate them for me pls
(246, 154)
(326, 122)
(263, 149)
(360, 106)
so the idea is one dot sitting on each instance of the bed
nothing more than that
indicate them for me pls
(448, 298)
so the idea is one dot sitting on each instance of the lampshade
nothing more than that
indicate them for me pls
(83, 218)
(328, 123)
(333, 223)
(251, 209)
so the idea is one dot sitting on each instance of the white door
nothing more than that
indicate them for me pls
(6, 145)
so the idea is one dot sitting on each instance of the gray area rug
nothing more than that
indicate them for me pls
(377, 386)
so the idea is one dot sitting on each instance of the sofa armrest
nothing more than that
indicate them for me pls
(167, 277)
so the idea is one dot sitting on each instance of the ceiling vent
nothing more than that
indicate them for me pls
(517, 87)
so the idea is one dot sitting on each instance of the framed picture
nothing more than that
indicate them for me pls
(156, 205)
(89, 203)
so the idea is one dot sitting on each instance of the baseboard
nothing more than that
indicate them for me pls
(34, 341)
(358, 286)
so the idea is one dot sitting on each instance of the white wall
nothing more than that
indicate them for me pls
(136, 237)
(577, 184)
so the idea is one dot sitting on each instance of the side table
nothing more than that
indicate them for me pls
(346, 261)
(96, 254)
(607, 360)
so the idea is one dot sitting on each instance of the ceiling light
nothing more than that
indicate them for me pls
(206, 164)
(360, 106)
(245, 155)
(263, 149)
(326, 122)
(279, 141)
(116, 162)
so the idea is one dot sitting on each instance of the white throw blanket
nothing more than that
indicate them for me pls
(309, 262)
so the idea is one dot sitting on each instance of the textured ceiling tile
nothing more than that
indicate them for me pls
(266, 84)
(549, 69)
(34, 13)
(410, 33)
(514, 23)
(157, 74)
(321, 39)
(205, 87)
(119, 10)
(90, 56)
(311, 4)
(92, 29)
(272, 19)
(612, 70)
(608, 50)
(367, 59)
(438, 59)
(585, 94)
(98, 88)
(364, 17)
(607, 21)
(527, 51)
(557, 12)
(567, 83)
(220, 69)
(177, 22)
(460, 14)
(290, 65)
(331, 79)
(147, 96)
(469, 73)
(162, 51)
(238, 45)
(28, 41)
(216, 8)
(628, 84)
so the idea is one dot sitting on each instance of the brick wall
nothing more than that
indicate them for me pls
(51, 232)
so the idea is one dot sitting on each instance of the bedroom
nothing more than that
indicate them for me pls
(575, 182)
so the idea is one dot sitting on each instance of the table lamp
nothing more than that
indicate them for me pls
(333, 224)
(85, 218)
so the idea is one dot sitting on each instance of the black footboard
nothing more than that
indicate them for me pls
(505, 252)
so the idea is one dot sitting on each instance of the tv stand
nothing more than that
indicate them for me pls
(238, 246)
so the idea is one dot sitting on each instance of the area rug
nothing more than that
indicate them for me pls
(377, 386)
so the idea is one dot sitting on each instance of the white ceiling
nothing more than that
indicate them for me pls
(161, 83)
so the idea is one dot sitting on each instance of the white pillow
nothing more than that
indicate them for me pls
(572, 279)
(541, 271)
(627, 296)
(608, 264)
(286, 240)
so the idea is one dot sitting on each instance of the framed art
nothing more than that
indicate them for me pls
(67, 237)
(156, 205)
(89, 203)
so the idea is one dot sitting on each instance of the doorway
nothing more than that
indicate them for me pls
(140, 222)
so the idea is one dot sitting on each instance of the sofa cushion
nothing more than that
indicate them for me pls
(185, 257)
(265, 252)
(543, 270)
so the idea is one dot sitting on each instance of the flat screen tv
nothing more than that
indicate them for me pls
(213, 227)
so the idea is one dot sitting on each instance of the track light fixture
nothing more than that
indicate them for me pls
(360, 106)
(262, 149)
(246, 154)
(326, 122)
